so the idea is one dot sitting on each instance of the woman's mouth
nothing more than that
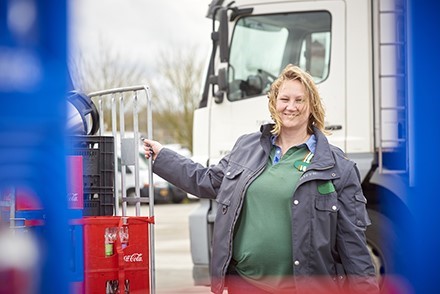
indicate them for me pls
(291, 115)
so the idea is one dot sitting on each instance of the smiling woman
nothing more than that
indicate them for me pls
(284, 182)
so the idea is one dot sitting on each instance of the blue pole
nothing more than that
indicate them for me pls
(33, 86)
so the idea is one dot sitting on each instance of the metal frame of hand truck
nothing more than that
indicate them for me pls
(129, 149)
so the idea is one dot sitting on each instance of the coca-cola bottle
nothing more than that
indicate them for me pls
(127, 287)
(123, 236)
(109, 238)
(112, 287)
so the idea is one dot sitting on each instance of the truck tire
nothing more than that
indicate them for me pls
(381, 239)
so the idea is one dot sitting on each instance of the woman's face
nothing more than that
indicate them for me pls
(292, 106)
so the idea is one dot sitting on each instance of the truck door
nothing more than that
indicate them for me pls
(308, 34)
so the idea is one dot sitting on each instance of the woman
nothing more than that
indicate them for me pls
(291, 213)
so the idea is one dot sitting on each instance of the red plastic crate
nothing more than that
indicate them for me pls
(134, 256)
(137, 281)
(128, 264)
(25, 198)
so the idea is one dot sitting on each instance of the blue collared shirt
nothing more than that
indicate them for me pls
(310, 144)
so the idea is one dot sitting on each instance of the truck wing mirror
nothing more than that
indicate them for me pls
(223, 35)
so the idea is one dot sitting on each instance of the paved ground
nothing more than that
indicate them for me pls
(173, 258)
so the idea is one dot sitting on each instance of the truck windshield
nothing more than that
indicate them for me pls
(263, 45)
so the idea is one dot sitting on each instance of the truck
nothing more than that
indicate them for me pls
(356, 51)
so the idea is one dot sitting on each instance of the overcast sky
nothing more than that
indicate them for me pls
(139, 29)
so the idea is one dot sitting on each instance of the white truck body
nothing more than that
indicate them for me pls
(354, 49)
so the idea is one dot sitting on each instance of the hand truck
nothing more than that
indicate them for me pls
(121, 101)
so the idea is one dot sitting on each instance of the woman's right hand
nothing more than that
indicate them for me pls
(152, 148)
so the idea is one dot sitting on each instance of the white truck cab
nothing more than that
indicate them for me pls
(355, 51)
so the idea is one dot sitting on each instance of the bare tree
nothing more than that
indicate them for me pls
(105, 70)
(175, 88)
(176, 94)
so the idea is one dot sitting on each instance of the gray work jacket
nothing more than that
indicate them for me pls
(328, 230)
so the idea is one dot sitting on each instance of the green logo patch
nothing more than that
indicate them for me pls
(301, 165)
(326, 188)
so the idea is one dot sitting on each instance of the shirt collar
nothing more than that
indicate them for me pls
(310, 143)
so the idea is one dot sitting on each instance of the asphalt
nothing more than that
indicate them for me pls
(173, 264)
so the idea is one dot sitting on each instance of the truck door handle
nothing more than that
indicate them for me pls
(333, 127)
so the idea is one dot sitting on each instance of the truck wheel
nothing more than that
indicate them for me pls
(381, 240)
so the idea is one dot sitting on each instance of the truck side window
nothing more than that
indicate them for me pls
(262, 45)
(315, 55)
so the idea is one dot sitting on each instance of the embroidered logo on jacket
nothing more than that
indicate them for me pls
(302, 165)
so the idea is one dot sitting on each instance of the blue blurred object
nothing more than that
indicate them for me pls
(33, 83)
(423, 241)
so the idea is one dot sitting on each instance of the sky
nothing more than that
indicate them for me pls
(138, 29)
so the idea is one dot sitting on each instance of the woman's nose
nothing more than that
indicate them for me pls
(292, 104)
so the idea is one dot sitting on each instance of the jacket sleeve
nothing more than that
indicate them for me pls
(351, 241)
(188, 175)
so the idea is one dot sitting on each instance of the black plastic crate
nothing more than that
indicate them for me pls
(98, 159)
(98, 202)
(98, 172)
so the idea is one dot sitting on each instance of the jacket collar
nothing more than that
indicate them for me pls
(265, 137)
(266, 130)
(323, 157)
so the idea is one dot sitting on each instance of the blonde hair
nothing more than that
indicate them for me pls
(317, 113)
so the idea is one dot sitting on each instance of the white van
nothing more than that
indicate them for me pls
(164, 192)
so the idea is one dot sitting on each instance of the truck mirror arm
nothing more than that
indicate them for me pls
(221, 81)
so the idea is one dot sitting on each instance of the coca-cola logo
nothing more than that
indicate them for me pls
(73, 197)
(135, 257)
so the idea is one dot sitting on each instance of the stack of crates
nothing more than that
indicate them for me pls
(110, 264)
(95, 176)
(118, 250)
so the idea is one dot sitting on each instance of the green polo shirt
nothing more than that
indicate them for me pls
(262, 247)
